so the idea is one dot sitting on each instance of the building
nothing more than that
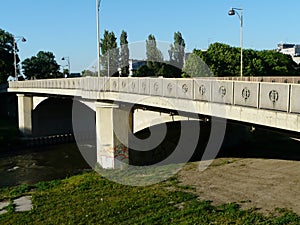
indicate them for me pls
(290, 49)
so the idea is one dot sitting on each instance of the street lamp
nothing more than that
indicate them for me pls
(236, 11)
(98, 2)
(69, 67)
(15, 40)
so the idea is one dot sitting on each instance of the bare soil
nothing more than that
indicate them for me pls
(265, 184)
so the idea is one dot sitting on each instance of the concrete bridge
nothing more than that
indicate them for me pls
(117, 103)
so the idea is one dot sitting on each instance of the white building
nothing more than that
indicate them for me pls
(290, 49)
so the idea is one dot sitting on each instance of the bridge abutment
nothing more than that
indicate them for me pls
(113, 125)
(25, 108)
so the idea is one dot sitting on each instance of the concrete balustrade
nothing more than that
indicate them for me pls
(156, 86)
(222, 92)
(261, 95)
(123, 84)
(185, 88)
(144, 86)
(114, 84)
(295, 99)
(133, 85)
(246, 93)
(170, 88)
(202, 90)
(274, 96)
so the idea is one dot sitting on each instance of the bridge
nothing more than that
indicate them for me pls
(270, 102)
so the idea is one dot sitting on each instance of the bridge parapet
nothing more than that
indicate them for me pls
(262, 95)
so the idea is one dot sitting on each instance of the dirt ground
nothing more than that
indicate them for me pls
(265, 184)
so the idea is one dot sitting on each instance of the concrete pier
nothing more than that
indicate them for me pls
(25, 107)
(113, 124)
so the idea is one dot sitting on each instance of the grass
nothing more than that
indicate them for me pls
(91, 199)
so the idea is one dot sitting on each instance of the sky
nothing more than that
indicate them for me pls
(68, 27)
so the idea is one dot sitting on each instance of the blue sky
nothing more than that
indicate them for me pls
(68, 27)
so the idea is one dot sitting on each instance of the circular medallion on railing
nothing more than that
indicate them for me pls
(202, 90)
(222, 91)
(156, 87)
(132, 86)
(170, 87)
(115, 84)
(123, 84)
(144, 86)
(274, 96)
(246, 93)
(185, 88)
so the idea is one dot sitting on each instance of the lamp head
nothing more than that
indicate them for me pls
(231, 12)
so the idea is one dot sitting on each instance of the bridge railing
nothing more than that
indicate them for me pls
(263, 95)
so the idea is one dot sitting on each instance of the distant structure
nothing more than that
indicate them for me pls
(290, 49)
(73, 75)
(134, 64)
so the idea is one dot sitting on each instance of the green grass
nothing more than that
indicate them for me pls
(91, 199)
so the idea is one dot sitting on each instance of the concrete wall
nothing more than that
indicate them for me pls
(222, 92)
(246, 94)
(202, 90)
(274, 96)
(295, 99)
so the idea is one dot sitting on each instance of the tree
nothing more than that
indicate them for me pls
(7, 56)
(42, 66)
(153, 54)
(195, 66)
(224, 60)
(86, 73)
(124, 57)
(110, 53)
(177, 51)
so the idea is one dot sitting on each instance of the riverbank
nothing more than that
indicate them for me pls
(91, 199)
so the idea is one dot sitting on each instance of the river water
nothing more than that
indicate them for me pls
(40, 164)
(29, 166)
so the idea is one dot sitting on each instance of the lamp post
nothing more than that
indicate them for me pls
(68, 60)
(232, 12)
(15, 40)
(98, 2)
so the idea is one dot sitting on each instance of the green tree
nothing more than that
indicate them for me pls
(90, 73)
(195, 66)
(124, 55)
(223, 60)
(153, 54)
(7, 56)
(177, 51)
(41, 66)
(110, 54)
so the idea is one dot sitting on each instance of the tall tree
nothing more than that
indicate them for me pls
(110, 54)
(41, 66)
(177, 51)
(6, 55)
(152, 52)
(124, 57)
